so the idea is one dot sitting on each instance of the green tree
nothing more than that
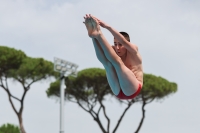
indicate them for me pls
(9, 128)
(90, 89)
(15, 65)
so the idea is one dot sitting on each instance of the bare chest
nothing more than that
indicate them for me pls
(132, 62)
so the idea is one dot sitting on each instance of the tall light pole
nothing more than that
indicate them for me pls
(65, 68)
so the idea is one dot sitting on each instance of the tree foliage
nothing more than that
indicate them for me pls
(32, 70)
(157, 87)
(10, 59)
(15, 65)
(91, 88)
(9, 128)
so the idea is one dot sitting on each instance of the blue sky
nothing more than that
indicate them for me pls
(166, 32)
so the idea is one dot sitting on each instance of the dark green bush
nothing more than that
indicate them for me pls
(9, 128)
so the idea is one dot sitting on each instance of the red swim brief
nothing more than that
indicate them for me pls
(121, 95)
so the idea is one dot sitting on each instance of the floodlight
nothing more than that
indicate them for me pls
(65, 68)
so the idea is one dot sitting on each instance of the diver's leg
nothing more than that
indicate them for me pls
(110, 71)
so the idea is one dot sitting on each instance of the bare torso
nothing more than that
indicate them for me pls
(134, 63)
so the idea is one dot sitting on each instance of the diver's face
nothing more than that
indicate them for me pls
(119, 48)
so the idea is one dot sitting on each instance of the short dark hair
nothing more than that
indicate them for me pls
(125, 35)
